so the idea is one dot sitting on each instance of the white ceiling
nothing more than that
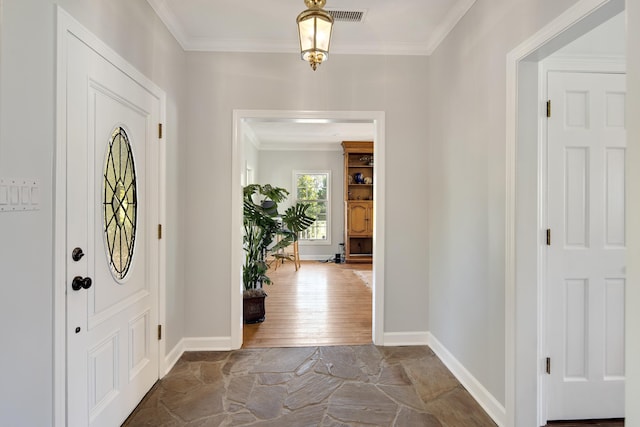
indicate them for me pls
(400, 27)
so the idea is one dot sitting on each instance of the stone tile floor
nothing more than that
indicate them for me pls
(343, 386)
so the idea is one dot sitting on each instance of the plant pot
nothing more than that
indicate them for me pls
(253, 309)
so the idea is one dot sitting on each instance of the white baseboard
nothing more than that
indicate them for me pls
(207, 343)
(195, 344)
(405, 338)
(173, 356)
(316, 257)
(489, 403)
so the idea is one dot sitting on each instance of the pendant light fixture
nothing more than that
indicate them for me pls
(314, 30)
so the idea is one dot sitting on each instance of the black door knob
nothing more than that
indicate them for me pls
(77, 254)
(81, 283)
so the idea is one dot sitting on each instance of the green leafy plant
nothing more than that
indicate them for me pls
(296, 218)
(262, 225)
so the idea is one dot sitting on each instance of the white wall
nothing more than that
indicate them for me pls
(276, 168)
(27, 141)
(222, 82)
(633, 213)
(467, 181)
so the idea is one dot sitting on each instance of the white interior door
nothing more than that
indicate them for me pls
(112, 207)
(586, 258)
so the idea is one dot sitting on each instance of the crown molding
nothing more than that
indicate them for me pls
(169, 20)
(455, 14)
(277, 46)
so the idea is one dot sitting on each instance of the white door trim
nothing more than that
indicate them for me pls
(583, 15)
(66, 24)
(238, 164)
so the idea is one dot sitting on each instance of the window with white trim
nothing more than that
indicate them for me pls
(313, 188)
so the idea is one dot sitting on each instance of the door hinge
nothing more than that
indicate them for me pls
(159, 130)
(548, 237)
(549, 108)
(548, 367)
(159, 332)
(159, 231)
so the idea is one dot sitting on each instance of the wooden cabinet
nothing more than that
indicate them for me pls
(358, 200)
(360, 218)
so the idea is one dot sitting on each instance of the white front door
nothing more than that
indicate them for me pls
(112, 209)
(586, 258)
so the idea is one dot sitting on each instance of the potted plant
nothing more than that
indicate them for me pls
(265, 231)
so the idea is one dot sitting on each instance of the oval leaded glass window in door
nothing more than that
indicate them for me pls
(120, 203)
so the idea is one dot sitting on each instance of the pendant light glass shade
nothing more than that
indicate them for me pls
(314, 31)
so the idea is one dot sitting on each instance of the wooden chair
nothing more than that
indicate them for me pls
(282, 254)
(296, 220)
(295, 256)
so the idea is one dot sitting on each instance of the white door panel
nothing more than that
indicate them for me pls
(112, 352)
(586, 259)
(116, 298)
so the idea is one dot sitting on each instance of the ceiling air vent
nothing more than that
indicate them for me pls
(347, 15)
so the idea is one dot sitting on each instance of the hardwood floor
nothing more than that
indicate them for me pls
(320, 304)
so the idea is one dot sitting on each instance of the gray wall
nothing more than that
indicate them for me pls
(27, 141)
(276, 168)
(222, 82)
(467, 181)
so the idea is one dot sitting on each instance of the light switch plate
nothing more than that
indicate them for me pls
(4, 195)
(19, 194)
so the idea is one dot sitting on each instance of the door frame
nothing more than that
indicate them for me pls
(67, 25)
(525, 266)
(377, 118)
